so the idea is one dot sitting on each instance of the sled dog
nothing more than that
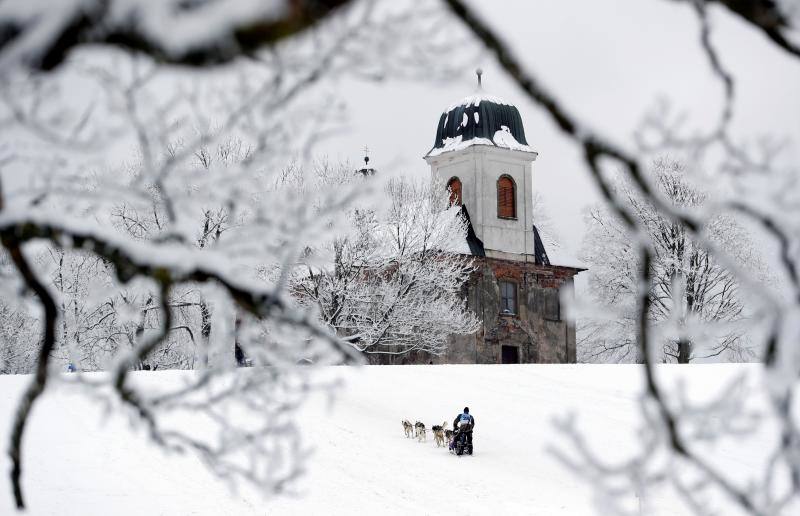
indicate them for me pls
(407, 428)
(419, 428)
(438, 434)
(448, 435)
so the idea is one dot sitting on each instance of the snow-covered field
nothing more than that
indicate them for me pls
(79, 462)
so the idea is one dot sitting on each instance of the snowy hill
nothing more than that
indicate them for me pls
(78, 463)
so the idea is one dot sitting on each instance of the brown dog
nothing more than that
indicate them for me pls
(438, 434)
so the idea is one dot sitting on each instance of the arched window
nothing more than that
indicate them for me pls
(455, 191)
(506, 198)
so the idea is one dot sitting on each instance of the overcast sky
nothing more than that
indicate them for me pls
(609, 61)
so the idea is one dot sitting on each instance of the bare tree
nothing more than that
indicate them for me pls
(690, 287)
(178, 227)
(19, 338)
(669, 418)
(392, 283)
(672, 424)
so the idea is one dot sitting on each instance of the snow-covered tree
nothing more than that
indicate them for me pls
(135, 232)
(690, 287)
(19, 341)
(36, 36)
(754, 183)
(116, 263)
(392, 282)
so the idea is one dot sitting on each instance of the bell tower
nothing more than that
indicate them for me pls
(481, 153)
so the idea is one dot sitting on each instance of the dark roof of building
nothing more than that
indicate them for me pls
(477, 119)
(539, 252)
(475, 244)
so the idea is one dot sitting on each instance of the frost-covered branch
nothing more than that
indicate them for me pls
(39, 36)
(391, 284)
(778, 317)
(776, 19)
(39, 381)
(150, 209)
(690, 288)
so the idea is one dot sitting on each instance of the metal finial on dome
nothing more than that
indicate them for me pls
(366, 171)
(479, 72)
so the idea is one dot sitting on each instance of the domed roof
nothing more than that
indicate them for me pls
(480, 119)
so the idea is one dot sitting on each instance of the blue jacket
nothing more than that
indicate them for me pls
(465, 416)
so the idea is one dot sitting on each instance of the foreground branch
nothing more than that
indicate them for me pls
(128, 265)
(38, 37)
(39, 382)
(595, 148)
(765, 16)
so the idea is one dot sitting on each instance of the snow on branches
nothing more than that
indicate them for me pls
(392, 283)
(763, 193)
(691, 292)
(139, 208)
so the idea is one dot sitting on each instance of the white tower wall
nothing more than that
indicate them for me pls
(479, 167)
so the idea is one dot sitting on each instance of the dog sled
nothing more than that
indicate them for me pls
(461, 443)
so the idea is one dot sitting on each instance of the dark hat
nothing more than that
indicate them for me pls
(466, 410)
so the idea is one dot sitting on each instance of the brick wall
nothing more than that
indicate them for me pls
(538, 334)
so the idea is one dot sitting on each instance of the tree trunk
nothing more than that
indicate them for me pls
(205, 332)
(238, 352)
(684, 351)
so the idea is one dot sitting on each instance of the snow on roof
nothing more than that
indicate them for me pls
(459, 247)
(502, 138)
(561, 257)
(480, 119)
(458, 143)
(475, 100)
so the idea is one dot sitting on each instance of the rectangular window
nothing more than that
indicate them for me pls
(552, 305)
(508, 297)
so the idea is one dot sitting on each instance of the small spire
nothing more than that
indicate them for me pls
(367, 170)
(479, 72)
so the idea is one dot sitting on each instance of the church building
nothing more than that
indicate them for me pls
(482, 155)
